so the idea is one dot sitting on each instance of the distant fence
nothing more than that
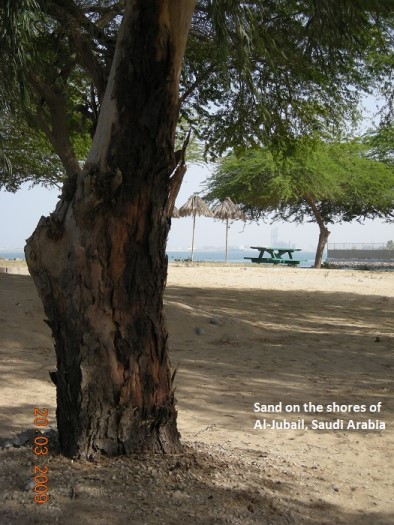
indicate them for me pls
(357, 246)
(359, 251)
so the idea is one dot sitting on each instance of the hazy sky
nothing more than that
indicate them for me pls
(20, 212)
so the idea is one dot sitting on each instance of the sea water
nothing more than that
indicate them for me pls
(12, 254)
(233, 256)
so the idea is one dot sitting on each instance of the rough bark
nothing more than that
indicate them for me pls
(323, 234)
(99, 261)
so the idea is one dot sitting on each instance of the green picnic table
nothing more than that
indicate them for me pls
(275, 255)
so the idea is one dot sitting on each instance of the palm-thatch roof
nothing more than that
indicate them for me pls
(195, 205)
(175, 213)
(227, 210)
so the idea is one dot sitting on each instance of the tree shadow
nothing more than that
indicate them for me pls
(266, 346)
(270, 339)
(202, 485)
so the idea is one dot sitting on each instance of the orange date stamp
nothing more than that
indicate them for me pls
(40, 450)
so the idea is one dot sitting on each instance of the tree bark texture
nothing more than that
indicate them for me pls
(99, 260)
(324, 232)
(323, 238)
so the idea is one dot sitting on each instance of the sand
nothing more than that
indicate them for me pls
(243, 337)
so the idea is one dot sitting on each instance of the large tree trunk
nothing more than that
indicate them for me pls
(99, 260)
(324, 232)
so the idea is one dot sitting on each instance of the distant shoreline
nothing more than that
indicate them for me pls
(19, 266)
(183, 256)
(10, 260)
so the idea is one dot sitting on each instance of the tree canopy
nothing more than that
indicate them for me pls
(260, 72)
(278, 70)
(331, 182)
(27, 154)
(380, 142)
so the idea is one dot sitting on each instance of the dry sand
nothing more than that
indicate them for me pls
(241, 335)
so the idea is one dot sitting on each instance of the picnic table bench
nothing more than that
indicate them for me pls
(275, 255)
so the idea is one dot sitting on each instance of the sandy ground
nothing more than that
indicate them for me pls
(241, 335)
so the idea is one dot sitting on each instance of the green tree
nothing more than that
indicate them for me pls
(380, 142)
(285, 69)
(99, 260)
(28, 154)
(256, 72)
(331, 182)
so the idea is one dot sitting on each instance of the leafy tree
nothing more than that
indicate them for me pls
(113, 68)
(333, 182)
(257, 72)
(15, 27)
(290, 69)
(28, 155)
(381, 142)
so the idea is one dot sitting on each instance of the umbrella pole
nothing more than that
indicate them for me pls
(194, 225)
(225, 260)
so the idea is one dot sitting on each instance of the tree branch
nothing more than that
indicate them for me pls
(196, 83)
(62, 10)
(178, 175)
(109, 15)
(90, 62)
(316, 213)
(58, 132)
(66, 12)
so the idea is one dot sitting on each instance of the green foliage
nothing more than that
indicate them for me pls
(381, 142)
(29, 155)
(267, 72)
(41, 64)
(258, 73)
(339, 178)
(16, 48)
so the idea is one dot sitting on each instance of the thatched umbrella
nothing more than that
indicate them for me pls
(227, 210)
(195, 206)
(175, 213)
